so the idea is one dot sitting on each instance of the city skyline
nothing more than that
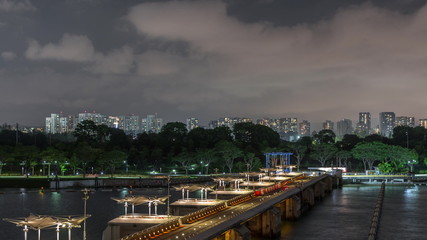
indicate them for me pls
(209, 59)
(289, 128)
(374, 122)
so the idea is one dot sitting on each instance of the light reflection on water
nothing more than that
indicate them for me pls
(346, 214)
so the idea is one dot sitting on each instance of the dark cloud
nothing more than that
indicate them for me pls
(212, 58)
(16, 5)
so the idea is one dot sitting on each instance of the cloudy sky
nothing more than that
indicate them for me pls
(315, 60)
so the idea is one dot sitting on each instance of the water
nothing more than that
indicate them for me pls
(21, 202)
(347, 212)
(344, 214)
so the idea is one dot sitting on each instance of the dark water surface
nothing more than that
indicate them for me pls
(345, 214)
(21, 202)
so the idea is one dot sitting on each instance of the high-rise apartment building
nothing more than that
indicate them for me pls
(228, 122)
(344, 127)
(289, 125)
(387, 122)
(53, 123)
(97, 118)
(130, 124)
(405, 121)
(192, 123)
(328, 125)
(57, 123)
(363, 127)
(152, 124)
(423, 123)
(304, 128)
(113, 122)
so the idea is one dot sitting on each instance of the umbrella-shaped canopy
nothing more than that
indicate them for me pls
(134, 200)
(159, 200)
(205, 186)
(73, 220)
(190, 188)
(138, 200)
(33, 221)
(225, 179)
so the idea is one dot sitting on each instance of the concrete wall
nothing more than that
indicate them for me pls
(114, 182)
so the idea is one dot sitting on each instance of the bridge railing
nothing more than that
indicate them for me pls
(154, 231)
(202, 213)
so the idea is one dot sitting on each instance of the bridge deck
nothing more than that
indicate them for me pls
(216, 224)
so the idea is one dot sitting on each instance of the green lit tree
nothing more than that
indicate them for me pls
(229, 152)
(185, 160)
(370, 152)
(299, 150)
(112, 159)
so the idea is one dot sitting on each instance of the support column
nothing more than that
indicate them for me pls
(319, 190)
(293, 208)
(282, 208)
(308, 197)
(328, 184)
(267, 224)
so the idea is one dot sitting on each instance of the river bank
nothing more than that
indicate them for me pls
(97, 182)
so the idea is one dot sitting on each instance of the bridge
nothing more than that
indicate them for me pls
(254, 214)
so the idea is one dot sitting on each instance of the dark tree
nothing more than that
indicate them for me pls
(255, 136)
(348, 142)
(172, 137)
(86, 131)
(325, 136)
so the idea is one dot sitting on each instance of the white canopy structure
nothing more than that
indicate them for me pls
(186, 188)
(39, 222)
(139, 200)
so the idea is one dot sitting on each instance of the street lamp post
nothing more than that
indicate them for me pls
(169, 180)
(126, 208)
(69, 227)
(58, 225)
(85, 198)
(25, 231)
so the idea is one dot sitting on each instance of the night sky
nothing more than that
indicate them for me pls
(315, 60)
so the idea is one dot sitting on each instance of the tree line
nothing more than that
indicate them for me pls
(98, 149)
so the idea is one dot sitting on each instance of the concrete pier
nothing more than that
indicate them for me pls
(125, 225)
(184, 207)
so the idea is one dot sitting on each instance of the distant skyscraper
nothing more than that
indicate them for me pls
(97, 118)
(228, 122)
(57, 123)
(192, 123)
(423, 123)
(271, 123)
(289, 125)
(304, 128)
(152, 124)
(405, 121)
(344, 127)
(130, 124)
(329, 125)
(364, 124)
(53, 123)
(113, 122)
(387, 121)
